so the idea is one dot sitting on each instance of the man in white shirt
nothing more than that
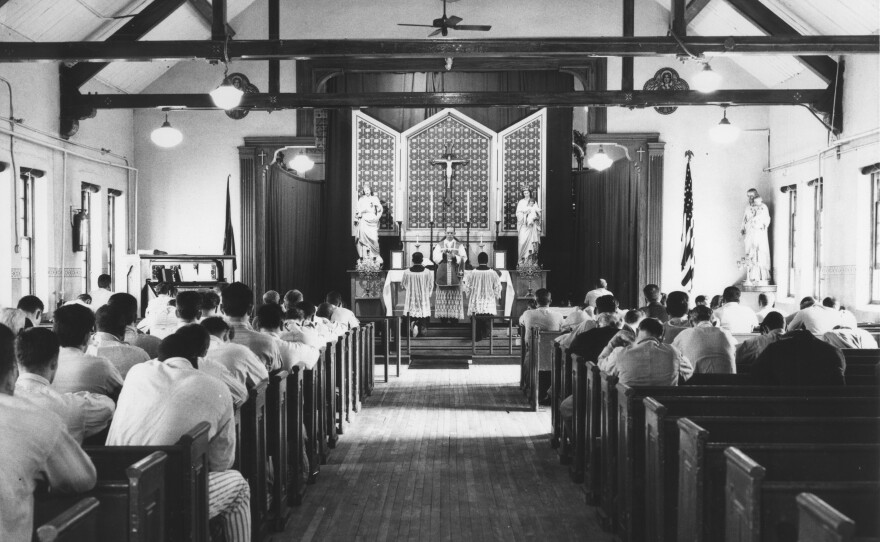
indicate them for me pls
(165, 398)
(766, 304)
(710, 349)
(270, 320)
(84, 413)
(600, 290)
(340, 313)
(196, 334)
(33, 308)
(772, 329)
(734, 317)
(291, 299)
(108, 341)
(188, 308)
(238, 359)
(101, 296)
(300, 329)
(160, 318)
(78, 371)
(817, 319)
(237, 303)
(127, 304)
(545, 319)
(677, 310)
(210, 304)
(649, 362)
(34, 446)
(272, 297)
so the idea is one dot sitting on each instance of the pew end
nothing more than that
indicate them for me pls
(818, 521)
(75, 524)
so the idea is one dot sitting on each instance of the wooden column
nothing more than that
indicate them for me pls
(654, 218)
(247, 170)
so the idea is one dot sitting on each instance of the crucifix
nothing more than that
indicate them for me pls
(262, 156)
(640, 152)
(449, 161)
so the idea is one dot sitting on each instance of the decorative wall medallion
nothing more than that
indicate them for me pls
(241, 82)
(666, 79)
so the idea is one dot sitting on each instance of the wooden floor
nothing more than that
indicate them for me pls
(445, 453)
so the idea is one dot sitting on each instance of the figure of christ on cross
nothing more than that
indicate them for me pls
(449, 161)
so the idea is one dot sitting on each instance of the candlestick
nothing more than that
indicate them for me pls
(432, 206)
(468, 207)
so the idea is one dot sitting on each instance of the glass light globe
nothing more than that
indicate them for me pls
(724, 132)
(600, 161)
(707, 80)
(226, 96)
(301, 163)
(166, 135)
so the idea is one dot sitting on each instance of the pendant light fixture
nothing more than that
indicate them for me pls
(166, 136)
(227, 96)
(707, 80)
(600, 161)
(724, 132)
(301, 162)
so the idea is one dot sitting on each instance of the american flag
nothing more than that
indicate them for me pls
(687, 232)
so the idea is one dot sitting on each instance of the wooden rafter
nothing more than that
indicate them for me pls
(694, 8)
(561, 48)
(205, 10)
(218, 20)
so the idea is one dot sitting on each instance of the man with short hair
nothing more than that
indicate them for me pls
(85, 414)
(197, 334)
(483, 287)
(340, 313)
(701, 300)
(544, 319)
(302, 328)
(591, 342)
(188, 308)
(649, 362)
(418, 282)
(732, 316)
(605, 304)
(799, 359)
(600, 290)
(237, 304)
(210, 304)
(710, 349)
(271, 319)
(625, 337)
(78, 371)
(101, 296)
(109, 343)
(127, 304)
(677, 309)
(272, 298)
(766, 304)
(163, 399)
(34, 445)
(291, 298)
(772, 329)
(33, 308)
(238, 359)
(806, 302)
(654, 309)
(817, 319)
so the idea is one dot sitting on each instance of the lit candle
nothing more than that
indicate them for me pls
(468, 208)
(432, 206)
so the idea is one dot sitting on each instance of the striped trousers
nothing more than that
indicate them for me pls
(229, 497)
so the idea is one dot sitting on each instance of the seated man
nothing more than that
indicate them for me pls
(291, 298)
(238, 359)
(575, 318)
(800, 359)
(101, 296)
(108, 341)
(590, 343)
(33, 308)
(544, 319)
(340, 313)
(15, 319)
(849, 337)
(710, 349)
(818, 319)
(677, 309)
(163, 399)
(649, 362)
(625, 337)
(272, 298)
(34, 446)
(188, 308)
(78, 371)
(195, 333)
(654, 308)
(734, 317)
(772, 329)
(302, 328)
(85, 414)
(133, 336)
(210, 304)
(237, 304)
(766, 305)
(292, 353)
(600, 290)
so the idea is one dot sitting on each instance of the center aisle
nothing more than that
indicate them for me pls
(445, 453)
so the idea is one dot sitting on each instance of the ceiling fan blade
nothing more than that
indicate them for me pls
(409, 24)
(452, 21)
(434, 33)
(481, 27)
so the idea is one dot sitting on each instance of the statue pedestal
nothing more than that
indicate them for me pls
(521, 287)
(364, 302)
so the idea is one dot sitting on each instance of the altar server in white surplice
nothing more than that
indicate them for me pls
(483, 287)
(418, 283)
(450, 258)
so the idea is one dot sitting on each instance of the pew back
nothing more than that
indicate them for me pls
(818, 521)
(78, 523)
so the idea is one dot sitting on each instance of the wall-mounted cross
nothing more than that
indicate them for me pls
(640, 152)
(262, 156)
(449, 161)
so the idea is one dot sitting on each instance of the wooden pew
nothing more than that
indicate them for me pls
(253, 455)
(295, 437)
(132, 498)
(186, 480)
(539, 358)
(332, 421)
(76, 523)
(647, 480)
(339, 384)
(370, 358)
(311, 399)
(524, 377)
(818, 521)
(592, 431)
(861, 355)
(700, 488)
(356, 369)
(276, 447)
(608, 454)
(562, 381)
(761, 499)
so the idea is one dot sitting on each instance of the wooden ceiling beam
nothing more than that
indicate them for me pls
(141, 51)
(206, 11)
(264, 101)
(218, 20)
(694, 8)
(765, 19)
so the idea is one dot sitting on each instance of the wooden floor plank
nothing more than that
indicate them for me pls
(445, 454)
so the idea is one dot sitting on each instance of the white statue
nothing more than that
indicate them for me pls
(756, 220)
(366, 221)
(528, 219)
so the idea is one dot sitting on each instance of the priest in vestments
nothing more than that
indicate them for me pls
(483, 287)
(450, 258)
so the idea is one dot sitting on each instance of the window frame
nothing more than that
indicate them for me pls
(875, 238)
(25, 209)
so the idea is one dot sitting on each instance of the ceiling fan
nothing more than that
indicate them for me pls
(443, 24)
